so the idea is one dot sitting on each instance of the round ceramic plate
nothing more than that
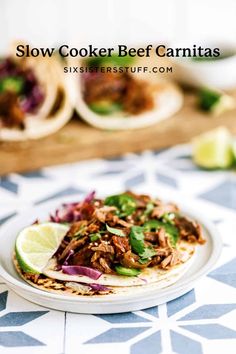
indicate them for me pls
(203, 261)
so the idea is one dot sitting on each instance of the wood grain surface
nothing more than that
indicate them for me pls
(78, 141)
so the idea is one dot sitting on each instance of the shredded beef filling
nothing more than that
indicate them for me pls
(134, 96)
(20, 93)
(11, 114)
(128, 230)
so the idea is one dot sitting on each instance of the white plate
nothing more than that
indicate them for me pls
(206, 257)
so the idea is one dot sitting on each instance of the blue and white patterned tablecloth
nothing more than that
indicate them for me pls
(202, 321)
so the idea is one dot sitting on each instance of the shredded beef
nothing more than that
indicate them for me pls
(11, 114)
(103, 247)
(171, 260)
(135, 96)
(73, 244)
(89, 243)
(121, 244)
(131, 260)
(162, 209)
(189, 230)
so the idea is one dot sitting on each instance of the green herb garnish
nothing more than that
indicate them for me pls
(148, 252)
(12, 84)
(114, 231)
(113, 60)
(208, 99)
(149, 208)
(215, 102)
(138, 244)
(169, 217)
(212, 58)
(125, 204)
(171, 230)
(137, 239)
(95, 237)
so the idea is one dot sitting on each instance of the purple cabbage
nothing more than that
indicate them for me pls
(32, 95)
(95, 287)
(90, 197)
(98, 287)
(81, 270)
(70, 212)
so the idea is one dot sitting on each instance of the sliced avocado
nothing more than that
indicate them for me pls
(129, 272)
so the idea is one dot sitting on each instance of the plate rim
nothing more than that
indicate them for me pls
(184, 207)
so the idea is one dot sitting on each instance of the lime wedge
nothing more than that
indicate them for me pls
(234, 150)
(36, 244)
(213, 149)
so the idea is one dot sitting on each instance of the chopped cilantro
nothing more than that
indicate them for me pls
(138, 244)
(168, 217)
(208, 99)
(114, 231)
(149, 208)
(95, 237)
(171, 230)
(125, 204)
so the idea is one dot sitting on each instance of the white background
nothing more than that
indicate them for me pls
(49, 22)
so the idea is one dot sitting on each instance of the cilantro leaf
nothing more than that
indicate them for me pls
(137, 239)
(148, 252)
(149, 208)
(125, 204)
(169, 217)
(171, 230)
(95, 237)
(138, 244)
(114, 231)
(208, 99)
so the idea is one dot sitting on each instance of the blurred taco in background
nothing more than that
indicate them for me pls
(33, 98)
(113, 98)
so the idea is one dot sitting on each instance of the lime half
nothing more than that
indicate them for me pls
(36, 244)
(213, 149)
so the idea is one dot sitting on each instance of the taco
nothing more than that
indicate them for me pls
(117, 245)
(108, 96)
(33, 98)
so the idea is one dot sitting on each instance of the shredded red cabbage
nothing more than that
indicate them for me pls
(81, 270)
(67, 213)
(72, 212)
(98, 287)
(32, 95)
(90, 197)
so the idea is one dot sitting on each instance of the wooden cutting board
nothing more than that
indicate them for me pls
(78, 141)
